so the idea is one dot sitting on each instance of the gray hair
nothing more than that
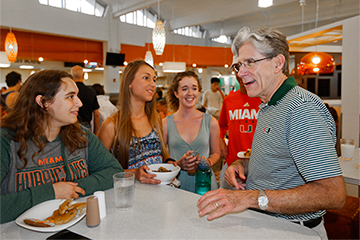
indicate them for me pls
(268, 41)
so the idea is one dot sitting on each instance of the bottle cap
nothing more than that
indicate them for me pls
(203, 164)
(92, 212)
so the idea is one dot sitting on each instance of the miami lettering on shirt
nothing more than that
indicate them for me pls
(32, 178)
(240, 114)
(247, 115)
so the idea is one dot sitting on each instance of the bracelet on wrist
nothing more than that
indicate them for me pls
(208, 160)
(169, 159)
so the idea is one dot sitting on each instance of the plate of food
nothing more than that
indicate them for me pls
(53, 215)
(244, 154)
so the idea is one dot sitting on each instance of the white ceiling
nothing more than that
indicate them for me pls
(231, 15)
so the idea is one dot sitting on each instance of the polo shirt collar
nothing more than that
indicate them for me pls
(287, 85)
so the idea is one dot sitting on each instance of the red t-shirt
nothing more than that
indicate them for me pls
(238, 115)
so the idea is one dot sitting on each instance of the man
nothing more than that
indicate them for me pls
(13, 81)
(293, 172)
(238, 116)
(213, 98)
(87, 96)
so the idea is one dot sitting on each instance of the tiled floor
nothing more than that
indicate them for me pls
(217, 168)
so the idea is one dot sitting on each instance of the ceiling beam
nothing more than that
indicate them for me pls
(211, 13)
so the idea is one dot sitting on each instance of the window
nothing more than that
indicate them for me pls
(194, 31)
(142, 18)
(91, 7)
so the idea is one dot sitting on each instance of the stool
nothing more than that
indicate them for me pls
(344, 223)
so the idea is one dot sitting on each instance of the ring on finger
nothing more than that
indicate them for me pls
(216, 204)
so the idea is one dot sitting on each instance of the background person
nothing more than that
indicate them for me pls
(87, 96)
(189, 130)
(3, 89)
(3, 108)
(13, 81)
(158, 94)
(238, 118)
(213, 98)
(134, 133)
(42, 140)
(161, 107)
(106, 108)
(293, 172)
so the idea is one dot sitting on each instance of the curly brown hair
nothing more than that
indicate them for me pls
(28, 120)
(172, 100)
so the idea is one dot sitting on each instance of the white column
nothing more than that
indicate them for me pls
(111, 74)
(350, 89)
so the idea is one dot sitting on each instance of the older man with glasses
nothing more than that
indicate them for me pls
(293, 172)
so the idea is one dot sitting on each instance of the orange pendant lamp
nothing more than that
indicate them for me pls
(11, 47)
(316, 62)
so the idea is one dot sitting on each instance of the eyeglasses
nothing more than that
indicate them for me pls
(248, 63)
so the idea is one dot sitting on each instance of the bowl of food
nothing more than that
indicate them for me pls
(165, 172)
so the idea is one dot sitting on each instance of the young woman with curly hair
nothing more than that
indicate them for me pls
(45, 153)
(189, 130)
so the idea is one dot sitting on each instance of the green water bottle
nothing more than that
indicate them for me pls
(203, 177)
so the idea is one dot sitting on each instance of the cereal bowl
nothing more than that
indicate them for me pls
(164, 177)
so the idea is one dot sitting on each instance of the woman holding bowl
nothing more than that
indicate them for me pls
(134, 133)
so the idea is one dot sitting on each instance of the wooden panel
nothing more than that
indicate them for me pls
(54, 48)
(65, 49)
(202, 56)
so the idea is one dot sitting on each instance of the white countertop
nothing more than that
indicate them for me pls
(351, 169)
(163, 212)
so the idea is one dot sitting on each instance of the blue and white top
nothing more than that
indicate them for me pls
(145, 151)
(294, 143)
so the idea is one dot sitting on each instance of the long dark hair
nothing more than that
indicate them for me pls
(28, 120)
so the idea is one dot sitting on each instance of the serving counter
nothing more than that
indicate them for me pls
(163, 212)
(351, 169)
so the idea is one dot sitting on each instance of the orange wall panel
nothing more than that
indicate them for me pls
(57, 48)
(54, 48)
(202, 56)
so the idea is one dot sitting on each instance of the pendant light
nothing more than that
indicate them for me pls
(11, 46)
(158, 35)
(316, 62)
(149, 58)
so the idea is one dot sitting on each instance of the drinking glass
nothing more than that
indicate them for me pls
(193, 171)
(124, 190)
(347, 148)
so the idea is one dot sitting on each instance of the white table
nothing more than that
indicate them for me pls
(163, 212)
(351, 169)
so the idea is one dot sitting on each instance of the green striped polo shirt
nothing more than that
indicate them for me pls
(294, 143)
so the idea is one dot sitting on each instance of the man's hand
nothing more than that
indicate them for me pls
(222, 201)
(236, 170)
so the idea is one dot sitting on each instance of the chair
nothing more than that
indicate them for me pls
(344, 223)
